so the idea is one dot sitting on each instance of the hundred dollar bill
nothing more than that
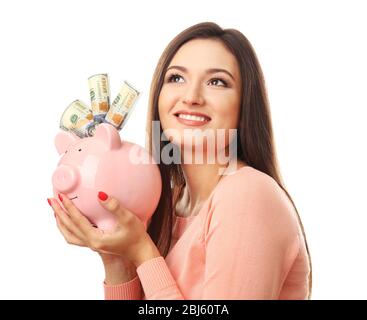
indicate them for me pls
(122, 106)
(78, 118)
(100, 95)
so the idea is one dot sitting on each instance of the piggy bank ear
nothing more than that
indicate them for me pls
(109, 135)
(63, 140)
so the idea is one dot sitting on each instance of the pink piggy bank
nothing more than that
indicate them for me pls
(103, 162)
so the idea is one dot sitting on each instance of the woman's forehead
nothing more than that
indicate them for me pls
(204, 54)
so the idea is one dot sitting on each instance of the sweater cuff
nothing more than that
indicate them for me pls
(155, 276)
(130, 290)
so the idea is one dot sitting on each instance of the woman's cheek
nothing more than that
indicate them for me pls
(229, 111)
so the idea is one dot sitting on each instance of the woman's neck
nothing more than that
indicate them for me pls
(201, 179)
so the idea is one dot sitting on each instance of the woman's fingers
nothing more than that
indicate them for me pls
(68, 236)
(66, 220)
(124, 216)
(77, 218)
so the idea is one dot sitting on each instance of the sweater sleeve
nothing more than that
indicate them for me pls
(130, 290)
(250, 238)
(154, 277)
(157, 280)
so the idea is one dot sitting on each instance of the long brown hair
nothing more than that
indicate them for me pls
(255, 142)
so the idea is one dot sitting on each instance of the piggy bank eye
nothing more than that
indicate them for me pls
(66, 151)
(80, 150)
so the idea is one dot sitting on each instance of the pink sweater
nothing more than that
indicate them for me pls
(245, 243)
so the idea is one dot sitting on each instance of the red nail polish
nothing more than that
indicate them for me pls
(103, 196)
(49, 201)
(60, 197)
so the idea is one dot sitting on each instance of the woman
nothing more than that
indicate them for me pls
(229, 235)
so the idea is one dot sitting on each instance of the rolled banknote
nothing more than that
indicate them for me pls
(78, 118)
(122, 106)
(99, 91)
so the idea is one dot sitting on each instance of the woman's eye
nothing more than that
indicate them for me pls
(174, 78)
(224, 83)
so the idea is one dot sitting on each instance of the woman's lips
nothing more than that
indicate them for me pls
(191, 122)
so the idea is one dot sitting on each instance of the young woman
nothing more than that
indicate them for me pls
(214, 235)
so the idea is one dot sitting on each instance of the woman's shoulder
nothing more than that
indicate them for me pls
(252, 191)
(245, 181)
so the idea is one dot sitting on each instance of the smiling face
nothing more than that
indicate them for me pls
(203, 79)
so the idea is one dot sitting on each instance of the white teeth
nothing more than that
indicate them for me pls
(192, 117)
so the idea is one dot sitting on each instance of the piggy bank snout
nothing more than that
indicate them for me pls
(65, 178)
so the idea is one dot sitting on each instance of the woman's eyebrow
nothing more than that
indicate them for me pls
(208, 71)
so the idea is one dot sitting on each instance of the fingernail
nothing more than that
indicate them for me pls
(103, 196)
(49, 201)
(60, 197)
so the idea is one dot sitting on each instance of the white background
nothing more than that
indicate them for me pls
(313, 54)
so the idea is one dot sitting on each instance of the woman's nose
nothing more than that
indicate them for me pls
(193, 95)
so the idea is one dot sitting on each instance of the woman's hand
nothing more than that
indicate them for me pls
(129, 239)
